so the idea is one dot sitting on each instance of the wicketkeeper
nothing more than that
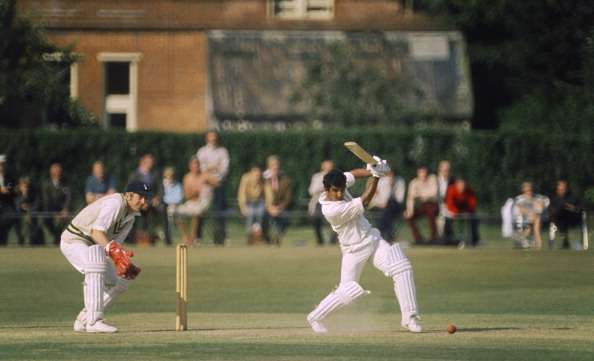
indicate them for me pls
(95, 234)
(359, 242)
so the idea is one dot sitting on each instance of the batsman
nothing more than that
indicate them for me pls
(359, 242)
(95, 234)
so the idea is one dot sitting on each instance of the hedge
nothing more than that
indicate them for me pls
(495, 163)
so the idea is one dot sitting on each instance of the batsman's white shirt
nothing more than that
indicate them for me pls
(108, 214)
(347, 219)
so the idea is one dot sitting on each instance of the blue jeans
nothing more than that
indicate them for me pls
(255, 214)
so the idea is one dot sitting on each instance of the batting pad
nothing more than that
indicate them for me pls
(95, 270)
(342, 296)
(400, 269)
(349, 291)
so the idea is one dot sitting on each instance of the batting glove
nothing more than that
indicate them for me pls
(380, 169)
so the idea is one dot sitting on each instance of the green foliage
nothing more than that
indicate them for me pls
(33, 76)
(343, 91)
(589, 196)
(495, 163)
(532, 61)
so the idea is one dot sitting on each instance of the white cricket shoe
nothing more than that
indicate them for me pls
(413, 325)
(100, 327)
(317, 326)
(80, 324)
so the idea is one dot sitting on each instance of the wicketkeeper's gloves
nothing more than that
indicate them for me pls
(121, 259)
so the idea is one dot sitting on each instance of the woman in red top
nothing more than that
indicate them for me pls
(460, 203)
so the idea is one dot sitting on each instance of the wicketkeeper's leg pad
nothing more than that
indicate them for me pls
(94, 270)
(112, 293)
(345, 294)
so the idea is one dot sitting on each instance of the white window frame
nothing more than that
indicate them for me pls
(118, 103)
(301, 10)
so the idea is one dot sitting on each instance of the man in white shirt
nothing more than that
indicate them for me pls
(94, 234)
(422, 200)
(389, 200)
(214, 160)
(314, 209)
(359, 242)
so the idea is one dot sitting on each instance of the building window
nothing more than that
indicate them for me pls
(66, 70)
(64, 85)
(120, 86)
(117, 78)
(302, 9)
(117, 120)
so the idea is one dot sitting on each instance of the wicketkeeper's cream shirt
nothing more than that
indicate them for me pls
(108, 214)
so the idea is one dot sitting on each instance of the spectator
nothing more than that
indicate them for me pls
(198, 196)
(443, 179)
(145, 230)
(28, 203)
(56, 199)
(214, 160)
(528, 212)
(250, 198)
(460, 203)
(443, 182)
(172, 197)
(389, 199)
(99, 183)
(8, 213)
(422, 201)
(278, 196)
(565, 212)
(314, 209)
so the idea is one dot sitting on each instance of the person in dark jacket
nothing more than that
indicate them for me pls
(565, 211)
(28, 205)
(56, 197)
(8, 213)
(145, 229)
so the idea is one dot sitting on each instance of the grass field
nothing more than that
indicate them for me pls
(250, 304)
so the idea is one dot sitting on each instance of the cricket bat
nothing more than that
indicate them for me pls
(361, 153)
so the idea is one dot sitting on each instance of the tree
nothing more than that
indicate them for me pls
(343, 91)
(33, 74)
(527, 51)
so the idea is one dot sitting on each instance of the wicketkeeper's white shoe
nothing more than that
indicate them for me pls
(317, 326)
(100, 327)
(413, 324)
(80, 324)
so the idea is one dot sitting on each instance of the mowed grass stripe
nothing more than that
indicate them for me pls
(250, 304)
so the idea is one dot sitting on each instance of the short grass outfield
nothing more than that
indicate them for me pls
(250, 304)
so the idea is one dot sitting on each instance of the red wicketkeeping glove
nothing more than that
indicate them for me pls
(120, 258)
(132, 272)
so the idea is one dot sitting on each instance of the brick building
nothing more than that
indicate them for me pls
(165, 64)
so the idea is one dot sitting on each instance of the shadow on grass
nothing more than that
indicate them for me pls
(488, 329)
(32, 327)
(200, 349)
(222, 329)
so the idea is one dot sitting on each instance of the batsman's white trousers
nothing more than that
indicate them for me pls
(353, 262)
(392, 262)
